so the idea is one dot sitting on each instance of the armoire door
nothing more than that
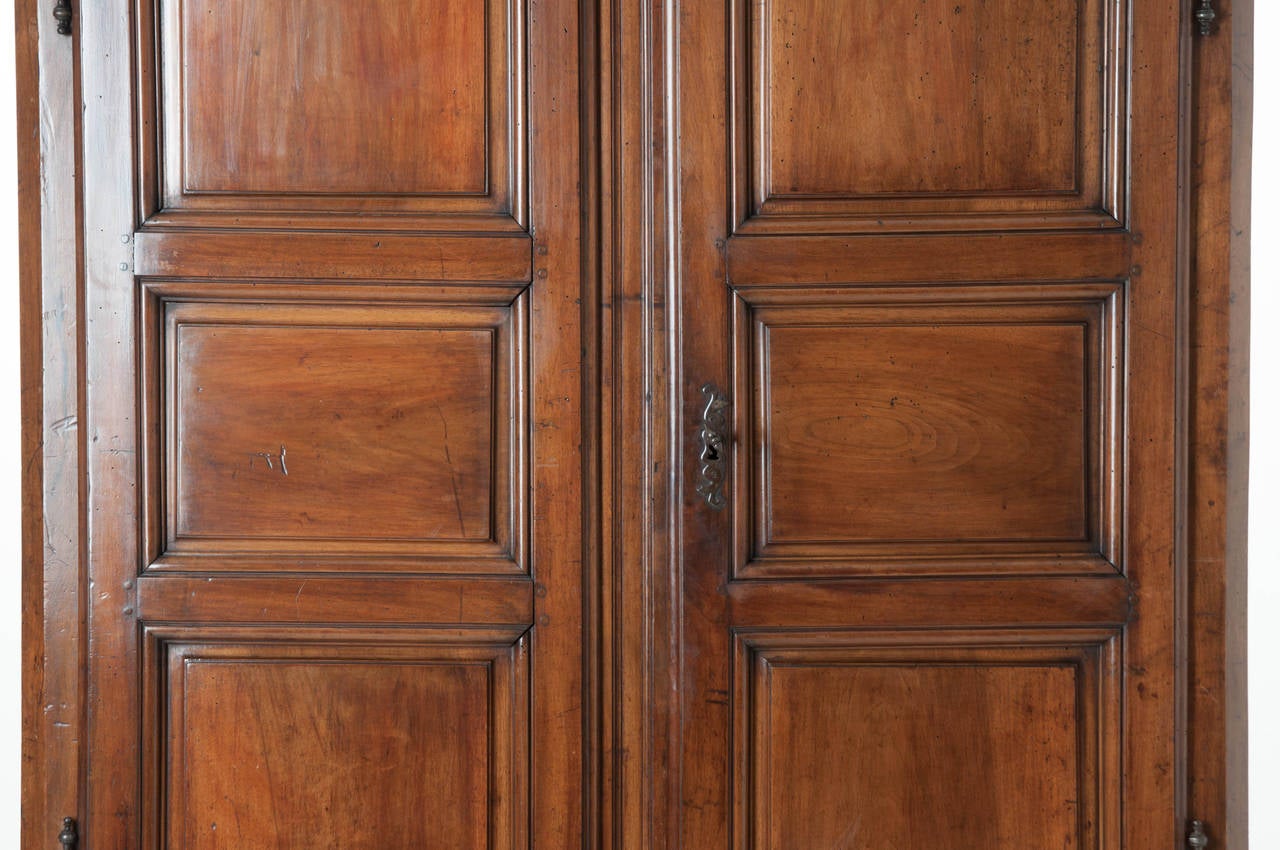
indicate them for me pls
(928, 256)
(333, 425)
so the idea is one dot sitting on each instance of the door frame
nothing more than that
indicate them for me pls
(629, 199)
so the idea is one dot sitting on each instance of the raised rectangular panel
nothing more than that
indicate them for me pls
(411, 108)
(334, 435)
(928, 114)
(356, 740)
(967, 742)
(955, 435)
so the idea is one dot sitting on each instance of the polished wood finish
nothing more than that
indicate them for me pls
(443, 716)
(1014, 256)
(398, 312)
(1019, 734)
(54, 632)
(848, 119)
(1218, 436)
(319, 256)
(927, 428)
(626, 668)
(249, 599)
(255, 113)
(262, 418)
(403, 115)
(770, 262)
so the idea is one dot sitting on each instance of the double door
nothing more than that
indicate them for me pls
(710, 425)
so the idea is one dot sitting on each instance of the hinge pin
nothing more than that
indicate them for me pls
(69, 837)
(62, 14)
(1205, 16)
(1196, 839)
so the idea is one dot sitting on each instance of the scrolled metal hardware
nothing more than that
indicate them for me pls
(713, 436)
(1205, 16)
(70, 836)
(1196, 839)
(62, 14)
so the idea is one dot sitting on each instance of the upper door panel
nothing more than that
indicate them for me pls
(411, 112)
(928, 114)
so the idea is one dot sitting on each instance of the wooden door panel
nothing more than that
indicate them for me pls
(335, 488)
(929, 254)
(849, 741)
(358, 740)
(412, 109)
(333, 435)
(941, 433)
(928, 114)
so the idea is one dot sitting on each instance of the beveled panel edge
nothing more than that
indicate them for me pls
(1101, 555)
(916, 222)
(331, 256)
(1107, 209)
(506, 209)
(504, 650)
(506, 553)
(1094, 653)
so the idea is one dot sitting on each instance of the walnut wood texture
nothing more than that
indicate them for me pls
(373, 625)
(629, 647)
(1022, 732)
(261, 420)
(848, 119)
(1218, 439)
(924, 428)
(771, 269)
(411, 112)
(404, 739)
(53, 627)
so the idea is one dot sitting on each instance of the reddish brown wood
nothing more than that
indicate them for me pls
(428, 413)
(53, 633)
(817, 378)
(852, 120)
(646, 674)
(1019, 732)
(405, 116)
(255, 113)
(1010, 69)
(262, 419)
(1218, 439)
(920, 604)
(1011, 256)
(883, 431)
(452, 601)
(990, 417)
(241, 720)
(347, 256)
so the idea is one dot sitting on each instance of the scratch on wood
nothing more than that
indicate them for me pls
(453, 477)
(270, 459)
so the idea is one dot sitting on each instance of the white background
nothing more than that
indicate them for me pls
(1264, 519)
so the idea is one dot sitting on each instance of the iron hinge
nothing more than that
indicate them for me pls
(70, 836)
(62, 14)
(1205, 16)
(1196, 839)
